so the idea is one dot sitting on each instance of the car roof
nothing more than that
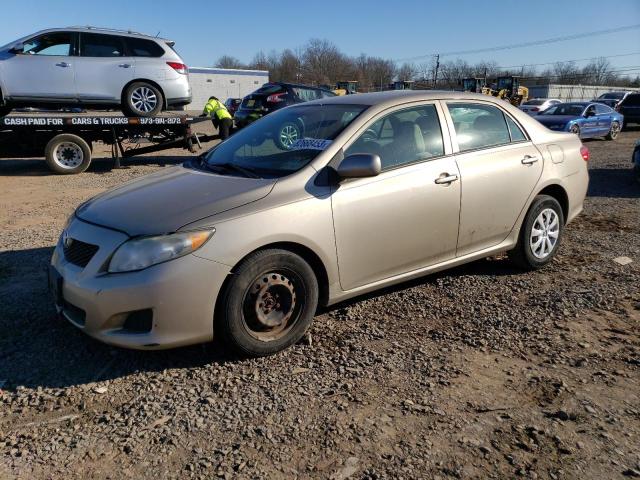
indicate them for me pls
(393, 97)
(300, 85)
(85, 29)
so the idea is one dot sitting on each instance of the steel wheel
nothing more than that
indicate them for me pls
(143, 99)
(544, 234)
(288, 135)
(68, 155)
(272, 304)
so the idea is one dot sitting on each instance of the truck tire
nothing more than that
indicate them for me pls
(141, 99)
(67, 154)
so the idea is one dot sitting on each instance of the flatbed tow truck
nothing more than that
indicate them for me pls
(66, 140)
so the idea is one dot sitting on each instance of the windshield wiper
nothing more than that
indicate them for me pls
(227, 166)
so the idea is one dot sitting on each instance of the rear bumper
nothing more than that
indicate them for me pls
(178, 102)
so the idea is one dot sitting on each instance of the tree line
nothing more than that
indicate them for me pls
(320, 62)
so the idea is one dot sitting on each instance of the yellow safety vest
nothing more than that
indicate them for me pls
(217, 108)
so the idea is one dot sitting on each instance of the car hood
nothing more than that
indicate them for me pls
(167, 200)
(555, 119)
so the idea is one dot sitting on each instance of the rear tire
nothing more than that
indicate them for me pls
(575, 129)
(540, 234)
(269, 303)
(613, 131)
(67, 154)
(141, 99)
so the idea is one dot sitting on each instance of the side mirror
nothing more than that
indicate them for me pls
(360, 165)
(17, 48)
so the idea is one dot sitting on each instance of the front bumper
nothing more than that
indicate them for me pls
(181, 294)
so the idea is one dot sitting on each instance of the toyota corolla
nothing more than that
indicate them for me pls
(245, 242)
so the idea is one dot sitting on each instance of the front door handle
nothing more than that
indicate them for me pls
(63, 64)
(125, 65)
(446, 179)
(529, 160)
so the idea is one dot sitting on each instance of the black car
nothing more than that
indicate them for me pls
(629, 106)
(274, 96)
(232, 104)
(611, 99)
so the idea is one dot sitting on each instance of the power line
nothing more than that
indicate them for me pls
(546, 41)
(567, 61)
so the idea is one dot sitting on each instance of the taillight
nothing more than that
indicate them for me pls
(276, 97)
(617, 107)
(179, 67)
(535, 109)
(584, 151)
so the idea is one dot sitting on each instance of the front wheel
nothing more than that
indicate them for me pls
(540, 234)
(269, 304)
(141, 99)
(613, 131)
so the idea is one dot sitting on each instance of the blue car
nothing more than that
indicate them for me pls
(585, 119)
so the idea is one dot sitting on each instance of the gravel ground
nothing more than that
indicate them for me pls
(479, 372)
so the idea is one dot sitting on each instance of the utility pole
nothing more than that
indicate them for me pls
(435, 72)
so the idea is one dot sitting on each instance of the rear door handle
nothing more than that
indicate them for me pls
(528, 160)
(63, 64)
(446, 179)
(125, 65)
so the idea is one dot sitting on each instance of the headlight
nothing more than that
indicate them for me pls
(141, 253)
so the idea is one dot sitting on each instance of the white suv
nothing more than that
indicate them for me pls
(95, 68)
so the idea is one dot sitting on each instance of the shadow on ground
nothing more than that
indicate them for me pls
(613, 183)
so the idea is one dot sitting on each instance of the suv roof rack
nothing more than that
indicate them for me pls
(90, 27)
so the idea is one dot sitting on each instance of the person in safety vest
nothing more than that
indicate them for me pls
(220, 116)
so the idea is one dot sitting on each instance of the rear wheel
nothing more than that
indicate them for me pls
(540, 234)
(141, 99)
(288, 134)
(613, 131)
(67, 154)
(269, 304)
(575, 129)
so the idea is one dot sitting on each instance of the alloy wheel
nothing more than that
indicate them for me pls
(144, 99)
(544, 233)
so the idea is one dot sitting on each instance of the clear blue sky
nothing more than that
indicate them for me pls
(205, 29)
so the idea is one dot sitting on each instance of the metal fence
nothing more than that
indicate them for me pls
(572, 93)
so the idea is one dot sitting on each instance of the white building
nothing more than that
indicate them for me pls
(573, 93)
(223, 83)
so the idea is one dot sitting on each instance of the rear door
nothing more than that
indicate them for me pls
(103, 68)
(499, 168)
(44, 71)
(630, 108)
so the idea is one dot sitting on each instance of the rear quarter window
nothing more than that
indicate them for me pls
(140, 47)
(632, 101)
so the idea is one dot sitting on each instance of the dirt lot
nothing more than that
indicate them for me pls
(479, 372)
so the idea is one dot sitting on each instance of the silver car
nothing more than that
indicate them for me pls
(95, 68)
(536, 106)
(248, 240)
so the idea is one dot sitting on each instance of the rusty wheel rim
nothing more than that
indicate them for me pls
(272, 304)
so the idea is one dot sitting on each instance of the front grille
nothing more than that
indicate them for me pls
(77, 252)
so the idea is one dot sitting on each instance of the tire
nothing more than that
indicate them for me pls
(613, 131)
(288, 287)
(288, 133)
(141, 99)
(5, 111)
(67, 154)
(529, 254)
(575, 129)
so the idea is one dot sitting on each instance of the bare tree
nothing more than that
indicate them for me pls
(227, 61)
(408, 71)
(598, 72)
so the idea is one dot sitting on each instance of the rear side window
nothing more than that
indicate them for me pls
(141, 47)
(57, 44)
(96, 45)
(601, 108)
(306, 94)
(478, 126)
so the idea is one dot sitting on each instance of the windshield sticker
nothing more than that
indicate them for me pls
(310, 144)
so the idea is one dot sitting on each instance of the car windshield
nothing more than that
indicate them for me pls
(281, 143)
(566, 109)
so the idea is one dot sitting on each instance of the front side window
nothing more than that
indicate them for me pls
(52, 44)
(478, 125)
(281, 143)
(403, 137)
(97, 45)
(572, 109)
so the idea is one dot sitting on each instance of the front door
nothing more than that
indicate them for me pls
(407, 217)
(44, 71)
(499, 167)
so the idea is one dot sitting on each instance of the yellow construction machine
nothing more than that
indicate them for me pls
(346, 87)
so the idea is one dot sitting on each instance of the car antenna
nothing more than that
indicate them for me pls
(158, 34)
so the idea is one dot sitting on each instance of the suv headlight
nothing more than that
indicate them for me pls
(141, 253)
